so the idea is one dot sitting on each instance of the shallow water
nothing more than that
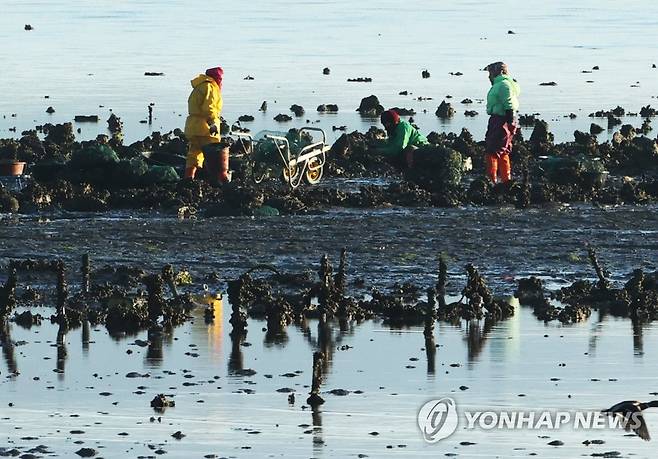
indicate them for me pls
(53, 396)
(85, 56)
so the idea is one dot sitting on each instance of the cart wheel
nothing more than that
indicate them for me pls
(313, 171)
(290, 174)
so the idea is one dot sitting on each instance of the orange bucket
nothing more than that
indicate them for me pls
(12, 168)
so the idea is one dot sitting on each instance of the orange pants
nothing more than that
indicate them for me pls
(498, 146)
(499, 166)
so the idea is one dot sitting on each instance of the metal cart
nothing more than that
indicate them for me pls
(274, 153)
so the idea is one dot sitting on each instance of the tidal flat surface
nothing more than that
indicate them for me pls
(68, 386)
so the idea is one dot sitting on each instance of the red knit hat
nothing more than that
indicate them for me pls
(216, 73)
(390, 116)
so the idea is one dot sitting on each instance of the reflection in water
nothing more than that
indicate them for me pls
(597, 327)
(216, 328)
(154, 350)
(8, 347)
(476, 336)
(346, 329)
(362, 366)
(638, 342)
(61, 349)
(236, 359)
(317, 417)
(318, 441)
(327, 341)
(428, 332)
(305, 328)
(276, 335)
(85, 336)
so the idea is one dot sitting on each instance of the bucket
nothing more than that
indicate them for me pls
(12, 168)
(212, 163)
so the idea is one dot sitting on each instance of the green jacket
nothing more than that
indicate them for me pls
(403, 136)
(503, 95)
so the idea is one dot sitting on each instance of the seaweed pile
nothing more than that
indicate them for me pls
(637, 299)
(284, 299)
(125, 300)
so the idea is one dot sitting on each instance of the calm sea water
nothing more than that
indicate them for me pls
(90, 58)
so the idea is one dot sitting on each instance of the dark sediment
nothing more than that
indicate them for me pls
(637, 299)
(298, 110)
(370, 107)
(282, 117)
(445, 110)
(327, 108)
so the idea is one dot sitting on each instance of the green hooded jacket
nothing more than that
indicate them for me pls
(403, 136)
(503, 95)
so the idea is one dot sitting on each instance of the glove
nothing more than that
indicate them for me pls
(213, 129)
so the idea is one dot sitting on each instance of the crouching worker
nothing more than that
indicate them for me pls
(203, 123)
(502, 104)
(403, 139)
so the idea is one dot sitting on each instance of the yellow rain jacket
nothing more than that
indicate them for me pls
(204, 106)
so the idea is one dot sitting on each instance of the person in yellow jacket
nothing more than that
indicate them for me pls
(203, 122)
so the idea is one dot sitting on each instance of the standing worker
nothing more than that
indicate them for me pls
(403, 139)
(502, 104)
(203, 122)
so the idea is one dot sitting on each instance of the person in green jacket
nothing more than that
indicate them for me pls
(403, 139)
(502, 104)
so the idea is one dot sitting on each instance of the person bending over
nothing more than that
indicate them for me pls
(403, 139)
